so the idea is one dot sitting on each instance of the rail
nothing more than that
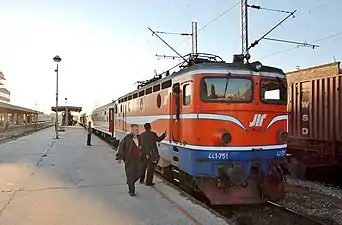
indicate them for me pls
(274, 204)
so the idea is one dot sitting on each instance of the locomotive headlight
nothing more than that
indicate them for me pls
(222, 137)
(283, 136)
(256, 66)
(226, 137)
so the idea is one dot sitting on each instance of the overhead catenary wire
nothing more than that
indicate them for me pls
(268, 9)
(315, 41)
(229, 9)
(207, 24)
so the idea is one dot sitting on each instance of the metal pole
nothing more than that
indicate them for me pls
(57, 102)
(244, 27)
(194, 37)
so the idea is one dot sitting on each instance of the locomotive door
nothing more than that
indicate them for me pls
(175, 112)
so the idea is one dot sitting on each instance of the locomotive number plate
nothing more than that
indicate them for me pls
(281, 153)
(218, 155)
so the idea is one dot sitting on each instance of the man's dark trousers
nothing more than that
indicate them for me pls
(89, 139)
(132, 168)
(150, 172)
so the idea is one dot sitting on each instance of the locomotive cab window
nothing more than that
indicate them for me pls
(186, 94)
(226, 89)
(273, 91)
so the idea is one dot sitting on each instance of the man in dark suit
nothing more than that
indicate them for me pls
(150, 151)
(130, 151)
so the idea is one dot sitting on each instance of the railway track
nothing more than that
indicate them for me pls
(270, 213)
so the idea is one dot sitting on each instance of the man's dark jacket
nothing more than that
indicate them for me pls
(148, 142)
(125, 148)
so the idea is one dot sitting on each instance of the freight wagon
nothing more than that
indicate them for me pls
(315, 115)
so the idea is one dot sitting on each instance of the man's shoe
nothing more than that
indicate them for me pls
(131, 193)
(151, 184)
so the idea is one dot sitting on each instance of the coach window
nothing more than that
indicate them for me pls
(187, 94)
(226, 89)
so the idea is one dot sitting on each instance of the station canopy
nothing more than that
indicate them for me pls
(15, 109)
(69, 108)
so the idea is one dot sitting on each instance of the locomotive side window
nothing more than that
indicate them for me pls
(186, 94)
(273, 91)
(230, 89)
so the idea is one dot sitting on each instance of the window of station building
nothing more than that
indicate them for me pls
(121, 108)
(187, 94)
(227, 89)
(129, 97)
(273, 91)
(135, 95)
(156, 88)
(166, 84)
(125, 99)
(149, 90)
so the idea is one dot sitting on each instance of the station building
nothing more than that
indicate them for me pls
(12, 115)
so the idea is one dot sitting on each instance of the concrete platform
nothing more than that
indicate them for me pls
(44, 181)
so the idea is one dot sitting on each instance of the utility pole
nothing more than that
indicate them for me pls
(193, 35)
(244, 29)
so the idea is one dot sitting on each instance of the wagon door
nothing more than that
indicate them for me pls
(175, 112)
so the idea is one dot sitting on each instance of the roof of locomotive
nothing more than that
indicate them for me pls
(220, 66)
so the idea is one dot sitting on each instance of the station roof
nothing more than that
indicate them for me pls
(13, 108)
(70, 108)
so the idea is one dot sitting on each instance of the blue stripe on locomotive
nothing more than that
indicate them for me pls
(205, 163)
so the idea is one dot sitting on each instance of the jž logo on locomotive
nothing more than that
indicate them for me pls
(257, 120)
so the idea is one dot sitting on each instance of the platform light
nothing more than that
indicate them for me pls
(57, 60)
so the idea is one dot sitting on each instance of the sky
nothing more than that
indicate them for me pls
(106, 46)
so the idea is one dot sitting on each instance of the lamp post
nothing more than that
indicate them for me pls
(57, 59)
(66, 122)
